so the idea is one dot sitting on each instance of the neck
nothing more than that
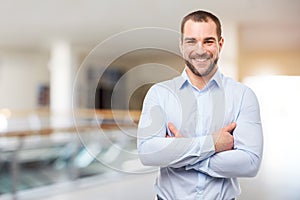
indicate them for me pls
(200, 81)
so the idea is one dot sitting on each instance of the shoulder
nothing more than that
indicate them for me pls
(230, 84)
(161, 92)
(168, 86)
(238, 90)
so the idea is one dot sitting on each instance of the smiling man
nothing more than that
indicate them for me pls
(202, 129)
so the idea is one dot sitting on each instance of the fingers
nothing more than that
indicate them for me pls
(230, 127)
(174, 130)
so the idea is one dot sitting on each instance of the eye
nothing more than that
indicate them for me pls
(209, 42)
(190, 42)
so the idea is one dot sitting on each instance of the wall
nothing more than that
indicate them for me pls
(269, 63)
(269, 49)
(21, 72)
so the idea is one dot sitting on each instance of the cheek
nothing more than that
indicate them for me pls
(213, 52)
(186, 51)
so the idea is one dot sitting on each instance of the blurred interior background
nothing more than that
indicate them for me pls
(73, 75)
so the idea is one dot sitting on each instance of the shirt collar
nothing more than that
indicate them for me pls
(217, 79)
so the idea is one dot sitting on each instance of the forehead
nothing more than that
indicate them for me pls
(200, 29)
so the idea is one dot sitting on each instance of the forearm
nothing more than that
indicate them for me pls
(175, 152)
(228, 164)
(243, 161)
(156, 150)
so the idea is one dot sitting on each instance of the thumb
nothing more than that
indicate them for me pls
(230, 127)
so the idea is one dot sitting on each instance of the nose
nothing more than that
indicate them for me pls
(199, 48)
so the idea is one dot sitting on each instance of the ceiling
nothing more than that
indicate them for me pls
(36, 23)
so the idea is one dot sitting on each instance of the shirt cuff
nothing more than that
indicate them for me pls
(207, 146)
(207, 149)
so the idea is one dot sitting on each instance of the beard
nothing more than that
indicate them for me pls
(210, 68)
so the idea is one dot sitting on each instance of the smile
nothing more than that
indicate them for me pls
(201, 59)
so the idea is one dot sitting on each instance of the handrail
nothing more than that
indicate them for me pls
(110, 120)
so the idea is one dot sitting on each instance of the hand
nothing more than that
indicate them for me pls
(223, 139)
(173, 130)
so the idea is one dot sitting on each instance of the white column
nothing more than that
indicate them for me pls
(228, 62)
(61, 77)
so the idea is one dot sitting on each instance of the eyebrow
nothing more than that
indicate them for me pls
(193, 39)
(210, 38)
(189, 38)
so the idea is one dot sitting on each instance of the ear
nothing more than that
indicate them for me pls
(221, 43)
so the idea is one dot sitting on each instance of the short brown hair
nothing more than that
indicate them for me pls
(202, 16)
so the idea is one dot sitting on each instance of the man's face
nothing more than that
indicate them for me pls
(200, 47)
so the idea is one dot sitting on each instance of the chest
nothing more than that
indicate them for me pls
(200, 115)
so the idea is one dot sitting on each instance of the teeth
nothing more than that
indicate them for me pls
(201, 60)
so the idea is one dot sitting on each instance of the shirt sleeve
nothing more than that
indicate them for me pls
(155, 149)
(244, 160)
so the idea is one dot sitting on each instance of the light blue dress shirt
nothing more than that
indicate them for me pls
(189, 167)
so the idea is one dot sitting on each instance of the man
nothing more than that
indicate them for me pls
(202, 129)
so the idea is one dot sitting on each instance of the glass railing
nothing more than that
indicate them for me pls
(36, 154)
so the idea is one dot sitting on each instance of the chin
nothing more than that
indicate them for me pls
(202, 70)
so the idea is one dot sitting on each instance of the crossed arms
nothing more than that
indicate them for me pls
(220, 154)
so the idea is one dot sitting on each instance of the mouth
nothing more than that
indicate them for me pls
(201, 59)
